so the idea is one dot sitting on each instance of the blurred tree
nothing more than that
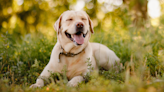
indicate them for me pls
(162, 13)
(20, 17)
(30, 16)
(3, 7)
(138, 9)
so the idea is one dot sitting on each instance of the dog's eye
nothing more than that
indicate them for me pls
(84, 19)
(69, 19)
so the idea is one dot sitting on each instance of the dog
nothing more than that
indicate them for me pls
(73, 49)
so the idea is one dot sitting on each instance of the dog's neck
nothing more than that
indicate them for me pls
(68, 54)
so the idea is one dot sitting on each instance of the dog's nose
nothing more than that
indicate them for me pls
(79, 25)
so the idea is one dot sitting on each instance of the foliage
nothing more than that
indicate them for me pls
(30, 55)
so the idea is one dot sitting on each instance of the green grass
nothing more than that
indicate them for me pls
(141, 51)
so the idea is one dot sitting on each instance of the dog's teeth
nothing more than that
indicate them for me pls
(72, 36)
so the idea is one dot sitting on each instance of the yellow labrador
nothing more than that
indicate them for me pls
(73, 49)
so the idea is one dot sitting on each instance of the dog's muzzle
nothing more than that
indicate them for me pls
(78, 37)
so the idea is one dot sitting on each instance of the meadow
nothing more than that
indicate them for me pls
(27, 39)
(141, 54)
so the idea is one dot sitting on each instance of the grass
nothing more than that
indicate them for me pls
(141, 51)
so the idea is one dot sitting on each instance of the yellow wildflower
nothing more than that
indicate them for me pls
(7, 46)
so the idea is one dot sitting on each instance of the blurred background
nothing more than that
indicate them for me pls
(21, 17)
(133, 29)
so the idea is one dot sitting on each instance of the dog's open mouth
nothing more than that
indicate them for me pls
(78, 37)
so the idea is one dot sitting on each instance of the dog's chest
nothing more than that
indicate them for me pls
(75, 66)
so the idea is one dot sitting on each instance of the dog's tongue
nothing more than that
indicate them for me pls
(79, 38)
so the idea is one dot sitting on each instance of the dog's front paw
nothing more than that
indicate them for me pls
(35, 86)
(72, 84)
(75, 81)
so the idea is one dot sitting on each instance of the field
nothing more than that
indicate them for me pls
(141, 53)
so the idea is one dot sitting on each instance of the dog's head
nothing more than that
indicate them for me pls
(74, 27)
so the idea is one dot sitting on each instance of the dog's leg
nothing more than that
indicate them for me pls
(104, 57)
(75, 81)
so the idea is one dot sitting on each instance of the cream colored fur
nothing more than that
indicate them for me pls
(76, 66)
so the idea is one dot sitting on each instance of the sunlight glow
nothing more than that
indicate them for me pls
(110, 5)
(79, 5)
(155, 22)
(20, 2)
(154, 9)
(118, 2)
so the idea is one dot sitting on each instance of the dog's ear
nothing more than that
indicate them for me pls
(90, 25)
(57, 24)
